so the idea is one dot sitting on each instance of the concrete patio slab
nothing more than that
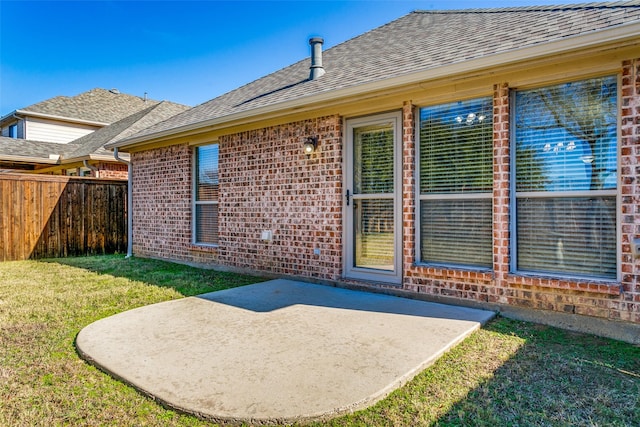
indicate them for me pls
(275, 352)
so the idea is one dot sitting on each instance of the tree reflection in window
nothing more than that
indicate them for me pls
(567, 136)
(566, 163)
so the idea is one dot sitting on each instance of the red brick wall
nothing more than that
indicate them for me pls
(267, 183)
(111, 170)
(162, 203)
(408, 193)
(628, 307)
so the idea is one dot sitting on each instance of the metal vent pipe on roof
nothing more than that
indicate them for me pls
(317, 70)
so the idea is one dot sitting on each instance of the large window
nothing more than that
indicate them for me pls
(206, 195)
(565, 139)
(456, 183)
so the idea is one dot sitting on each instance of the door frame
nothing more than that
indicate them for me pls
(350, 271)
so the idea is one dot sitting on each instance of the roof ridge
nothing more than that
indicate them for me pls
(136, 117)
(120, 129)
(78, 147)
(541, 8)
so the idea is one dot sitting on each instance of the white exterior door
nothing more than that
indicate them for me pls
(372, 199)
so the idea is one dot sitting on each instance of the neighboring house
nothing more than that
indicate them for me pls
(483, 157)
(66, 118)
(86, 155)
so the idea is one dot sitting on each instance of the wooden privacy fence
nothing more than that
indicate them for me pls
(44, 216)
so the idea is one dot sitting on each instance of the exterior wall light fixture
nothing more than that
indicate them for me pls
(309, 144)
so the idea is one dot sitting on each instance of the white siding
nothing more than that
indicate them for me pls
(55, 131)
(18, 123)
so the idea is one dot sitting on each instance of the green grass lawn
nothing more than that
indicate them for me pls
(507, 374)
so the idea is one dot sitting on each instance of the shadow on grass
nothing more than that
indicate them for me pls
(512, 373)
(556, 378)
(186, 280)
(507, 374)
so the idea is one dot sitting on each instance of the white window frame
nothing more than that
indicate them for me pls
(454, 196)
(514, 196)
(195, 202)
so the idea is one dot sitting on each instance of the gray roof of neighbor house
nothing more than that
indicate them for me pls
(415, 43)
(96, 105)
(93, 143)
(12, 148)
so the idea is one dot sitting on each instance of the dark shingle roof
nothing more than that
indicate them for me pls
(419, 41)
(27, 148)
(95, 105)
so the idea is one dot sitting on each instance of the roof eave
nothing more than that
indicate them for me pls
(8, 116)
(54, 117)
(106, 157)
(89, 157)
(29, 159)
(593, 39)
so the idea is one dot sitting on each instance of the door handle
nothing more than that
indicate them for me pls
(347, 196)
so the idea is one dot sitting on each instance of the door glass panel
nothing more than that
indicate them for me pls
(373, 184)
(374, 238)
(373, 155)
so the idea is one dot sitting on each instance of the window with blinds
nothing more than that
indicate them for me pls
(565, 139)
(456, 183)
(206, 195)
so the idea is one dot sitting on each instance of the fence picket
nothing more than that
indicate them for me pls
(44, 216)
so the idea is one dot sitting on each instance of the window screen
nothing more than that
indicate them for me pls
(456, 183)
(565, 178)
(206, 195)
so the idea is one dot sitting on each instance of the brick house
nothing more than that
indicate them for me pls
(480, 157)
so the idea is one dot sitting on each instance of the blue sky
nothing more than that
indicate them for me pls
(182, 51)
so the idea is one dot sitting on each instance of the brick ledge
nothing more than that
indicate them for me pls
(200, 248)
(448, 273)
(596, 287)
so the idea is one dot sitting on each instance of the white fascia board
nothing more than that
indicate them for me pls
(593, 39)
(107, 157)
(27, 113)
(95, 157)
(28, 159)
